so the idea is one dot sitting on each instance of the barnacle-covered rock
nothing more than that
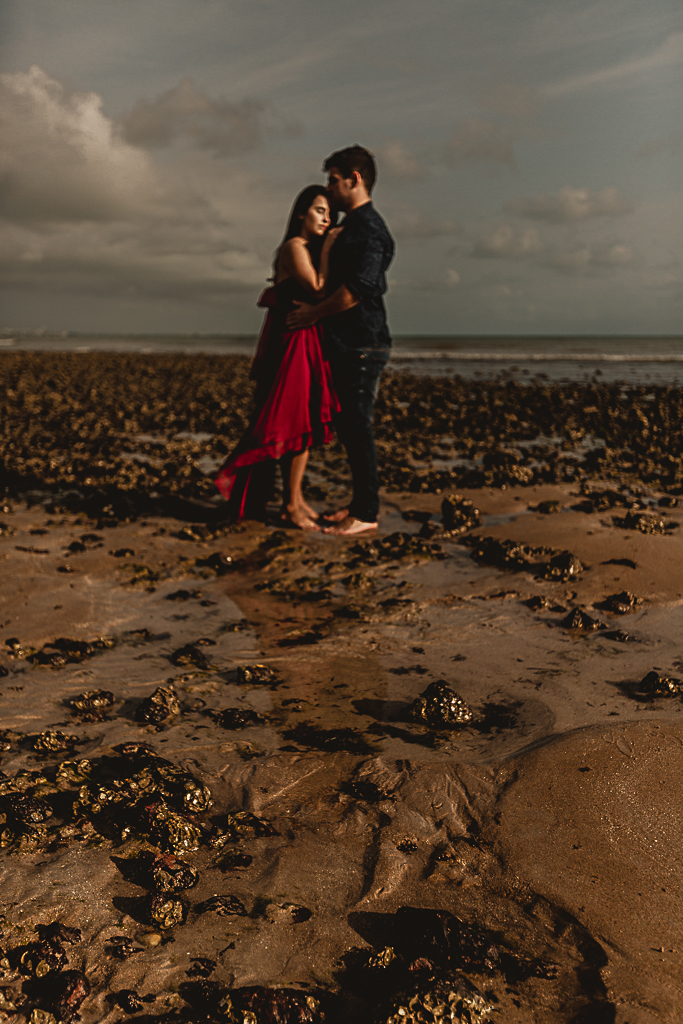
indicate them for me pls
(165, 910)
(190, 654)
(52, 741)
(234, 859)
(218, 563)
(167, 829)
(621, 603)
(506, 554)
(176, 784)
(563, 566)
(660, 686)
(224, 906)
(22, 809)
(257, 1005)
(549, 507)
(39, 1016)
(66, 651)
(443, 1000)
(59, 933)
(17, 650)
(394, 547)
(68, 991)
(73, 773)
(170, 874)
(159, 707)
(257, 674)
(644, 522)
(459, 513)
(237, 718)
(578, 619)
(243, 824)
(128, 1000)
(40, 958)
(92, 705)
(440, 706)
(22, 781)
(121, 947)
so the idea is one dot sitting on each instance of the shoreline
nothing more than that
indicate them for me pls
(371, 810)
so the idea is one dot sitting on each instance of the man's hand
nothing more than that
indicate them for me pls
(303, 316)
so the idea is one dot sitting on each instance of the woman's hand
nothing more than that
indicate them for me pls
(331, 236)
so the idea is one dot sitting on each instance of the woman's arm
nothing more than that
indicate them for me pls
(330, 239)
(305, 315)
(295, 261)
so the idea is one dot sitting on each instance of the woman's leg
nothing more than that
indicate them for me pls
(294, 507)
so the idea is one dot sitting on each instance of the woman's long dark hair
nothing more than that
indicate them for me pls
(302, 204)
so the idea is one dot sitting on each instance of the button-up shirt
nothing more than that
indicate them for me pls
(359, 259)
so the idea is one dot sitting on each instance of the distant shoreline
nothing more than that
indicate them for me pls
(633, 359)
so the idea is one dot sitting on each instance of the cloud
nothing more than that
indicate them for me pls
(218, 126)
(84, 210)
(451, 278)
(408, 223)
(571, 204)
(507, 242)
(60, 158)
(581, 257)
(480, 139)
(396, 161)
(668, 53)
(570, 256)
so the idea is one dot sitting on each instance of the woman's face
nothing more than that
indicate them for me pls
(317, 220)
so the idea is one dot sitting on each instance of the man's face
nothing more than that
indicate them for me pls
(339, 189)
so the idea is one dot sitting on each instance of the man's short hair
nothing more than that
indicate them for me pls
(354, 158)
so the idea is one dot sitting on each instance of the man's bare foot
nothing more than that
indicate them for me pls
(337, 517)
(351, 527)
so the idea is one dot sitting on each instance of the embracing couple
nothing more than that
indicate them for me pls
(321, 352)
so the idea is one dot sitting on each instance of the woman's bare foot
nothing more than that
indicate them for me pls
(337, 517)
(297, 516)
(351, 527)
(310, 512)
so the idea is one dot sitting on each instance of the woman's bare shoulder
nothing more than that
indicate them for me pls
(293, 243)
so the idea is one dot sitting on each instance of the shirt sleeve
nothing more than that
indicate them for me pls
(365, 259)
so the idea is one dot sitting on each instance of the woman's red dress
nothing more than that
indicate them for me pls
(295, 401)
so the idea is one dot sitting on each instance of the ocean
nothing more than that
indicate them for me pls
(632, 359)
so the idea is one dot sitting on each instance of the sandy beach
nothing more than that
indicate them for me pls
(350, 851)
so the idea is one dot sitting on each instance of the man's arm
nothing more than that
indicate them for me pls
(306, 315)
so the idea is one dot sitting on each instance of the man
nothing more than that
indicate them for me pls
(356, 336)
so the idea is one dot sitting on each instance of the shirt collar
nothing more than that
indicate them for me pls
(359, 211)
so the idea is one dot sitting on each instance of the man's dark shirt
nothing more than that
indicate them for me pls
(359, 259)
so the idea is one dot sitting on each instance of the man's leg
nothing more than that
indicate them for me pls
(356, 376)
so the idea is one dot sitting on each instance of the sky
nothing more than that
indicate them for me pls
(530, 157)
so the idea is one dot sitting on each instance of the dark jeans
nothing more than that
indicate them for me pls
(356, 377)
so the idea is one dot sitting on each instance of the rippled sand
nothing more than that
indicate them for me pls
(551, 821)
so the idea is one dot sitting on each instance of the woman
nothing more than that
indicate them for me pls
(295, 399)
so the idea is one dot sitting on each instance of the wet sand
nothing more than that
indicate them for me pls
(549, 830)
